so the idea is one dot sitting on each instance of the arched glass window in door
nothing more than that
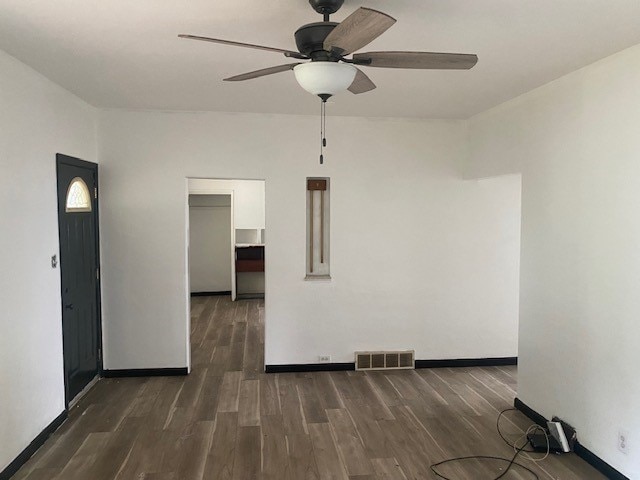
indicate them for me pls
(78, 197)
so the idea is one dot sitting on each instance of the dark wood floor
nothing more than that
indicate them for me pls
(228, 420)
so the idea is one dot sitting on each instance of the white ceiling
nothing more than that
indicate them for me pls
(125, 53)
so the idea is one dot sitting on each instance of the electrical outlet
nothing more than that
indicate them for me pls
(623, 441)
(324, 358)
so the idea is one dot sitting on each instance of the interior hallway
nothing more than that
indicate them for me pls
(228, 420)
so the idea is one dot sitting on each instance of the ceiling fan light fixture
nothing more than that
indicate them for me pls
(325, 78)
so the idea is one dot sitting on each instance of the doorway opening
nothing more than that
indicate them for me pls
(226, 274)
(211, 244)
(79, 236)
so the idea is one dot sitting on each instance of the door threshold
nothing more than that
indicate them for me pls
(83, 392)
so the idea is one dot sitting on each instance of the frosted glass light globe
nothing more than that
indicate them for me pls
(325, 78)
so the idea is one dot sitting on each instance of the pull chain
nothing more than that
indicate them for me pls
(323, 127)
(322, 139)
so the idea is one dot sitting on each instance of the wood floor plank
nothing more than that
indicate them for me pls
(506, 375)
(368, 429)
(274, 448)
(248, 457)
(220, 360)
(236, 355)
(301, 463)
(143, 460)
(196, 444)
(311, 405)
(404, 385)
(454, 401)
(326, 390)
(62, 446)
(249, 403)
(498, 388)
(226, 331)
(345, 387)
(230, 392)
(81, 463)
(388, 469)
(170, 448)
(211, 331)
(221, 456)
(385, 389)
(350, 445)
(292, 412)
(371, 395)
(143, 403)
(253, 364)
(162, 409)
(207, 403)
(410, 443)
(198, 329)
(114, 454)
(239, 333)
(269, 396)
(428, 394)
(40, 474)
(330, 465)
(162, 476)
(201, 357)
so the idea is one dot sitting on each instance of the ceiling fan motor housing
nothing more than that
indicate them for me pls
(326, 7)
(310, 40)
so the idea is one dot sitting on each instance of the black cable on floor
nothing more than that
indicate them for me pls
(500, 432)
(512, 462)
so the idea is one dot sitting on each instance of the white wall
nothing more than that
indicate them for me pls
(37, 120)
(210, 243)
(419, 258)
(576, 141)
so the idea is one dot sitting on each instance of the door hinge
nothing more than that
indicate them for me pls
(99, 354)
(95, 192)
(97, 273)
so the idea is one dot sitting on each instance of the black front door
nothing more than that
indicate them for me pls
(78, 229)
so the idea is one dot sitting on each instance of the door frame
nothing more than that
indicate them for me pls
(187, 243)
(204, 190)
(62, 159)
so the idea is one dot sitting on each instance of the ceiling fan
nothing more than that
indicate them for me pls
(327, 44)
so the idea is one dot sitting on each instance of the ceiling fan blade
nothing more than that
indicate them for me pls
(288, 53)
(420, 60)
(357, 30)
(262, 72)
(361, 83)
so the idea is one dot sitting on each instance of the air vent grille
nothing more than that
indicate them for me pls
(392, 360)
(377, 360)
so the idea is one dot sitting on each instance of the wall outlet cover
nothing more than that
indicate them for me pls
(324, 358)
(623, 441)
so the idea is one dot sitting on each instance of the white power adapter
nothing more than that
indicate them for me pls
(557, 432)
